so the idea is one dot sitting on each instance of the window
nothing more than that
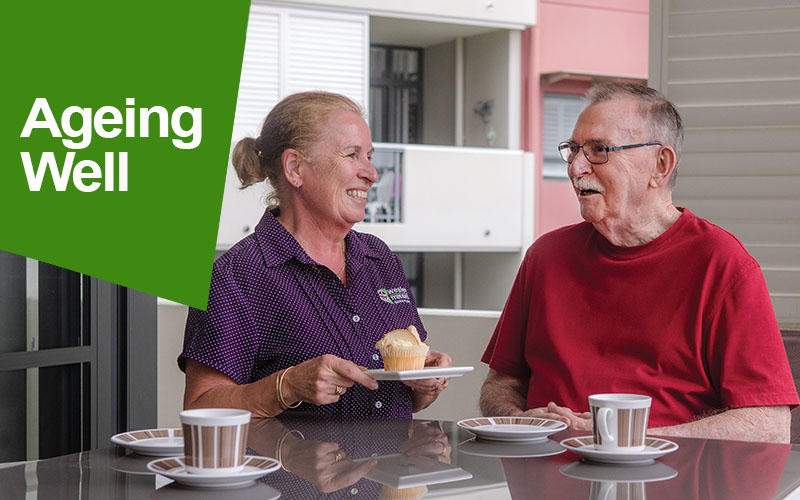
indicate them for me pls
(559, 115)
(68, 350)
(395, 99)
(384, 199)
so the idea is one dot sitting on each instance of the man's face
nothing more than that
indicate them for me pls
(616, 193)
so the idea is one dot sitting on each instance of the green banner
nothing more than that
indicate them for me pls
(116, 133)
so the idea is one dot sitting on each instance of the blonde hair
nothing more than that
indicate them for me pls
(294, 123)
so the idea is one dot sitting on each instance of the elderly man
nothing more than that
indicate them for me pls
(644, 297)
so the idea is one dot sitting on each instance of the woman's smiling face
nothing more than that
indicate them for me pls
(339, 171)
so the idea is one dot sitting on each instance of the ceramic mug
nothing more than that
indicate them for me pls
(214, 440)
(619, 421)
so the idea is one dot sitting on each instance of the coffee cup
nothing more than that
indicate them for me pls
(619, 421)
(214, 440)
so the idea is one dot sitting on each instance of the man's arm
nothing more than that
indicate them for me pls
(504, 395)
(769, 424)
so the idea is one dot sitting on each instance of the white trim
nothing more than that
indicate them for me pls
(461, 313)
(398, 15)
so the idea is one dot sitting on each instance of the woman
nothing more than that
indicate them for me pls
(294, 309)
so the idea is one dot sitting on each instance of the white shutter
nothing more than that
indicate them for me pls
(559, 114)
(732, 69)
(259, 86)
(327, 51)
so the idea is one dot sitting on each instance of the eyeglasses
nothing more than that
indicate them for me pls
(596, 152)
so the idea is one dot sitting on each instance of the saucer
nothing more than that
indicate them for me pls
(619, 473)
(500, 449)
(512, 428)
(153, 442)
(654, 448)
(254, 468)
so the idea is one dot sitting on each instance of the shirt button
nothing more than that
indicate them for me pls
(375, 357)
(378, 404)
(356, 319)
(354, 491)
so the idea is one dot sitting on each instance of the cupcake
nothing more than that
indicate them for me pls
(415, 493)
(402, 350)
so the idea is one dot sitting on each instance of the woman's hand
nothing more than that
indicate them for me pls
(323, 380)
(323, 464)
(427, 439)
(432, 386)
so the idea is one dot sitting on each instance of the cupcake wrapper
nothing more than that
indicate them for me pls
(401, 358)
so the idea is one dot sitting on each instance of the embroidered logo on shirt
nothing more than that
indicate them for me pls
(394, 295)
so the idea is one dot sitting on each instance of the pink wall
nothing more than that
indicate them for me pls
(608, 37)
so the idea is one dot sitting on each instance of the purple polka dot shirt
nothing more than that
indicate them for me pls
(271, 307)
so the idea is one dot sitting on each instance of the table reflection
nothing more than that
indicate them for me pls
(372, 458)
(700, 469)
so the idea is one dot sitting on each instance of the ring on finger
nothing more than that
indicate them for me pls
(338, 455)
(339, 390)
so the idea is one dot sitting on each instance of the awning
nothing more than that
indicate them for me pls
(557, 76)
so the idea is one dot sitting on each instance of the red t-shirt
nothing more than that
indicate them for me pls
(685, 318)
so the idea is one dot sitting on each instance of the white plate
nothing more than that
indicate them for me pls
(154, 442)
(619, 473)
(254, 468)
(500, 449)
(512, 428)
(654, 448)
(428, 372)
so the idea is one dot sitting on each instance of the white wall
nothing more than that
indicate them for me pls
(733, 69)
(451, 200)
(462, 334)
(171, 323)
(486, 74)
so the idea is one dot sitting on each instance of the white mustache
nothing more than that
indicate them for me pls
(581, 184)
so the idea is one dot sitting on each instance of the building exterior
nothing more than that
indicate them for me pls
(466, 102)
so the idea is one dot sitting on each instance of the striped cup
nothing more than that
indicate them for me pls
(619, 421)
(214, 440)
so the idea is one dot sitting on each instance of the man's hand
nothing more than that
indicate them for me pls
(577, 421)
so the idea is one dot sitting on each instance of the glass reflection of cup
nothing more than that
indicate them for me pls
(214, 440)
(618, 482)
(610, 490)
(619, 421)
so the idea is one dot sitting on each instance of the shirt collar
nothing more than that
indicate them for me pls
(278, 245)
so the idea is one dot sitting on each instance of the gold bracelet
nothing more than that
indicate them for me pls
(280, 444)
(281, 401)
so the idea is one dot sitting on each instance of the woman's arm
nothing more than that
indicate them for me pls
(314, 381)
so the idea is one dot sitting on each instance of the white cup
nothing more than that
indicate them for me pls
(214, 440)
(619, 421)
